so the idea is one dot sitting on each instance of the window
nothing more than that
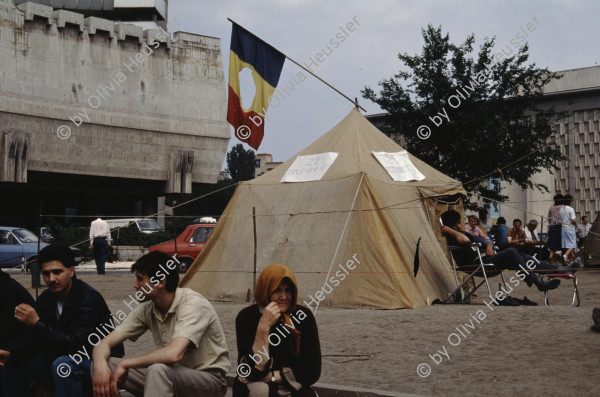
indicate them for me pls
(201, 234)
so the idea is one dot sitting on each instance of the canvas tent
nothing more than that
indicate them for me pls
(355, 210)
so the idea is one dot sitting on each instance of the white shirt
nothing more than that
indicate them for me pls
(59, 307)
(566, 215)
(99, 228)
(529, 236)
(583, 230)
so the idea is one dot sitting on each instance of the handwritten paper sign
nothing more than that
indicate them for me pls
(399, 166)
(309, 168)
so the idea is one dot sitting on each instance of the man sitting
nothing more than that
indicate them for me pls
(509, 259)
(12, 331)
(500, 232)
(472, 227)
(191, 358)
(66, 314)
(516, 236)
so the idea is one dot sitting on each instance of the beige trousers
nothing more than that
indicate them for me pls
(161, 380)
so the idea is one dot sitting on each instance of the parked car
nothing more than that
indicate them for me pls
(145, 226)
(189, 244)
(17, 244)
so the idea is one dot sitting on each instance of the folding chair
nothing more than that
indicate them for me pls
(564, 276)
(479, 269)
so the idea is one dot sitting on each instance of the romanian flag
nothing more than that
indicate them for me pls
(248, 51)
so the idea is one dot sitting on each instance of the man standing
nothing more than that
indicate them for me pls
(57, 350)
(583, 230)
(191, 359)
(99, 241)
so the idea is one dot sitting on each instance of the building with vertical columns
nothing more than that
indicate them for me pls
(104, 116)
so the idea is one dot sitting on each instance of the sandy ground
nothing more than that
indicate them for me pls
(512, 351)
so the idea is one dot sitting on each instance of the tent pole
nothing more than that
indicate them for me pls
(254, 225)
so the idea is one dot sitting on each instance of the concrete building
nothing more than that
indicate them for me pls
(578, 138)
(98, 116)
(264, 163)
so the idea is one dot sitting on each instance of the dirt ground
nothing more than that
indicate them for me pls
(512, 351)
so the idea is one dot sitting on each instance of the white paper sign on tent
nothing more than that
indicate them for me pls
(399, 166)
(309, 168)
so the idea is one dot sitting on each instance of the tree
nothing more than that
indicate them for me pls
(240, 163)
(483, 114)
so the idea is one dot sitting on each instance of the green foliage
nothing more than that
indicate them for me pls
(240, 163)
(497, 124)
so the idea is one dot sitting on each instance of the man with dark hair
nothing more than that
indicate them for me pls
(58, 350)
(583, 229)
(508, 259)
(191, 359)
(12, 331)
(500, 232)
(516, 236)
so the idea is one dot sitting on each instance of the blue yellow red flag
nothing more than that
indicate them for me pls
(266, 63)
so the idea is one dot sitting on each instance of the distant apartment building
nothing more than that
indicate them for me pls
(264, 163)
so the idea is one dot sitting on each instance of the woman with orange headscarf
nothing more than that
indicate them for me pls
(277, 340)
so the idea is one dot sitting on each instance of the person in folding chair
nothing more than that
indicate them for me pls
(509, 259)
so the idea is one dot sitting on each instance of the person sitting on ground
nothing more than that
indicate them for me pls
(12, 331)
(583, 230)
(509, 259)
(500, 233)
(64, 317)
(191, 359)
(516, 236)
(485, 221)
(288, 365)
(568, 221)
(554, 226)
(471, 227)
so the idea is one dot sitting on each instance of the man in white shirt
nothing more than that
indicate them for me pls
(568, 220)
(530, 232)
(583, 229)
(100, 240)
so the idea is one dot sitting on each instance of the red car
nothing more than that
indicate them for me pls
(189, 244)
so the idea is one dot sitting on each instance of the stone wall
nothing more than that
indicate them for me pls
(110, 99)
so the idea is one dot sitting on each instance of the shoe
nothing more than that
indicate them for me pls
(546, 285)
(573, 267)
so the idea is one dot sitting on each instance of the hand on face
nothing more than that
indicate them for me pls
(270, 315)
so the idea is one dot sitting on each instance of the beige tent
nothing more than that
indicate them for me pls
(356, 222)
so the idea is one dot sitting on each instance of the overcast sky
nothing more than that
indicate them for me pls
(565, 37)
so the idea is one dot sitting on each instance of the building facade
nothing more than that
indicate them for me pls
(98, 116)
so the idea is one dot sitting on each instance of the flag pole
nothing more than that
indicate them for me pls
(354, 102)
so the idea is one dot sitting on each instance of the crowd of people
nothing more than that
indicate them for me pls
(565, 234)
(69, 340)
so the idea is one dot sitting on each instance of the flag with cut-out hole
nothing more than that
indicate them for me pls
(266, 63)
